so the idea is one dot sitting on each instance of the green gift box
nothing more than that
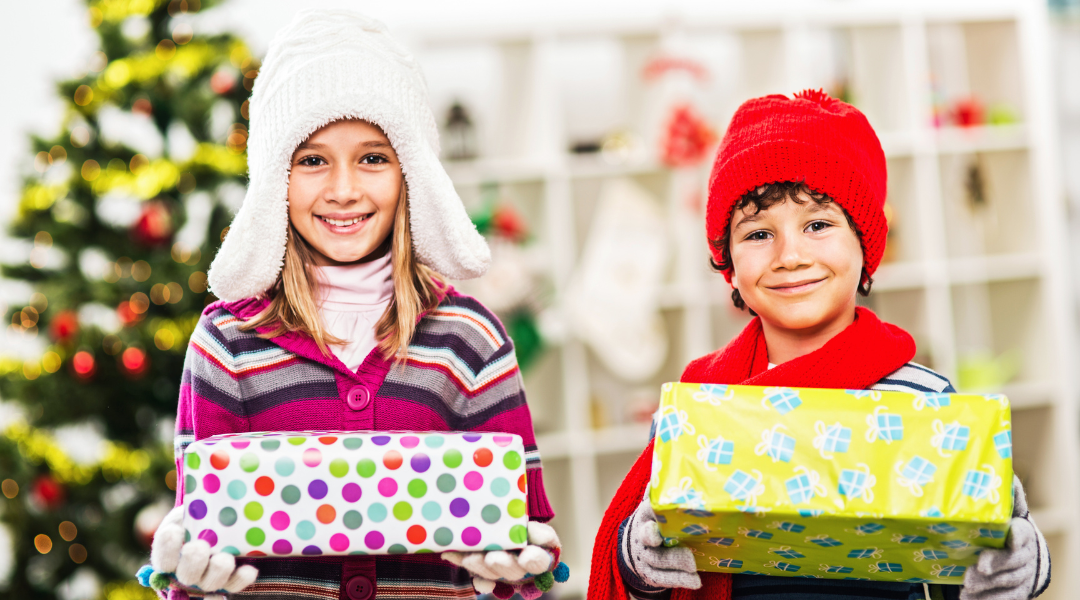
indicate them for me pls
(840, 484)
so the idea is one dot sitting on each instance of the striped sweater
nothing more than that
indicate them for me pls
(461, 375)
(911, 377)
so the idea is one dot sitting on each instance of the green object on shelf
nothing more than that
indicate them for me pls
(1002, 114)
(522, 328)
(981, 371)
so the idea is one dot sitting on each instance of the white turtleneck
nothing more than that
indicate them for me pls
(354, 297)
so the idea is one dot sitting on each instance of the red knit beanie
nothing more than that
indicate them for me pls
(811, 138)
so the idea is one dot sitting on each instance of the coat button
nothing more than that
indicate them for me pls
(358, 398)
(359, 588)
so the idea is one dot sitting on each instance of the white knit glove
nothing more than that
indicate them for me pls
(522, 571)
(192, 567)
(642, 551)
(1020, 570)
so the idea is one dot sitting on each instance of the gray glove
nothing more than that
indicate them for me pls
(642, 551)
(1020, 570)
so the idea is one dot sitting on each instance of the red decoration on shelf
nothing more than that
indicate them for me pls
(83, 364)
(662, 65)
(134, 362)
(509, 224)
(64, 326)
(688, 140)
(47, 492)
(154, 226)
(968, 112)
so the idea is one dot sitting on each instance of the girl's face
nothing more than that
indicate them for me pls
(798, 266)
(344, 186)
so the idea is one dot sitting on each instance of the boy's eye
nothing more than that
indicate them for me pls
(758, 235)
(374, 159)
(819, 226)
(311, 161)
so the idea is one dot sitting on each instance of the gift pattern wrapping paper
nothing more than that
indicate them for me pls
(843, 484)
(334, 492)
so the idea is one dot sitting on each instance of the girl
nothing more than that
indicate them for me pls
(335, 313)
(795, 222)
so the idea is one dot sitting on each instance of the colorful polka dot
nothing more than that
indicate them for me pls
(452, 458)
(270, 445)
(255, 536)
(338, 467)
(446, 483)
(351, 492)
(420, 462)
(312, 457)
(339, 542)
(473, 481)
(416, 534)
(211, 483)
(500, 487)
(491, 514)
(470, 536)
(305, 530)
(380, 440)
(374, 540)
(397, 549)
(311, 551)
(193, 461)
(352, 443)
(317, 489)
(443, 536)
(290, 494)
(253, 511)
(402, 511)
(231, 550)
(352, 519)
(256, 554)
(282, 547)
(197, 509)
(431, 511)
(280, 520)
(284, 466)
(326, 440)
(492, 548)
(325, 514)
(518, 534)
(365, 468)
(417, 488)
(522, 483)
(410, 441)
(209, 537)
(240, 445)
(459, 507)
(387, 487)
(297, 441)
(482, 457)
(392, 459)
(264, 486)
(471, 437)
(516, 508)
(503, 441)
(512, 460)
(190, 485)
(377, 512)
(219, 459)
(434, 441)
(227, 516)
(249, 462)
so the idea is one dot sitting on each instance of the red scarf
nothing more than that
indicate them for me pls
(856, 358)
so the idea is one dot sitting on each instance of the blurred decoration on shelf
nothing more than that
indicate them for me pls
(513, 284)
(892, 240)
(459, 137)
(975, 184)
(613, 296)
(688, 139)
(122, 211)
(685, 136)
(967, 112)
(984, 372)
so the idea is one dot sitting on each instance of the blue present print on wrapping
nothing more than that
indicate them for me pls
(884, 426)
(755, 533)
(857, 483)
(981, 485)
(993, 534)
(910, 539)
(865, 553)
(874, 395)
(1003, 444)
(783, 566)
(673, 424)
(933, 512)
(729, 563)
(919, 470)
(825, 541)
(941, 528)
(810, 512)
(742, 485)
(784, 400)
(948, 571)
(869, 528)
(697, 512)
(831, 438)
(955, 544)
(792, 527)
(951, 437)
(836, 569)
(776, 445)
(753, 573)
(886, 567)
(721, 541)
(918, 580)
(804, 486)
(717, 451)
(695, 529)
(928, 554)
(934, 400)
(787, 552)
(713, 394)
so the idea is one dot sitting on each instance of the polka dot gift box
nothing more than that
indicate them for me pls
(847, 484)
(333, 492)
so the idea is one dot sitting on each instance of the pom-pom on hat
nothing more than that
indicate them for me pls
(324, 66)
(811, 138)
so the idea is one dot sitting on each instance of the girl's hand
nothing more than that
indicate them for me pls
(192, 567)
(1020, 570)
(529, 572)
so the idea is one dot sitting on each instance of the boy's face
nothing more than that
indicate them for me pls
(796, 265)
(344, 186)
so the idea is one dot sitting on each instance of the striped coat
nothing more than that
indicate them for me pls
(461, 375)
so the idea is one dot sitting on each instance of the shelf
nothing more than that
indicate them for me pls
(991, 268)
(987, 138)
(899, 276)
(1029, 394)
(599, 442)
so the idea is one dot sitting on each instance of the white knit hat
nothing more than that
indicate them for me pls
(324, 66)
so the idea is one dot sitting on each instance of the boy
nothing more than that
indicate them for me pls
(796, 225)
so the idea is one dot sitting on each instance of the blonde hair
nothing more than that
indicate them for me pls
(293, 297)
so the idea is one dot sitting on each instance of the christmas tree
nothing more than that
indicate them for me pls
(123, 212)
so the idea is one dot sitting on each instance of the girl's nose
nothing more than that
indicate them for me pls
(344, 186)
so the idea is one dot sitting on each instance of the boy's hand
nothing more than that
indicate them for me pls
(642, 550)
(191, 567)
(1020, 570)
(529, 572)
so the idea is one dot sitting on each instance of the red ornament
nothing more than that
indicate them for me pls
(508, 223)
(134, 362)
(47, 492)
(154, 226)
(968, 112)
(83, 364)
(223, 81)
(64, 326)
(689, 138)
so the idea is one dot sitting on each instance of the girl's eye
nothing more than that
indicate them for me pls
(311, 161)
(819, 226)
(374, 159)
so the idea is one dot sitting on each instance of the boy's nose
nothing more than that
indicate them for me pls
(791, 251)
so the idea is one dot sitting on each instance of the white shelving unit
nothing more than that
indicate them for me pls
(962, 277)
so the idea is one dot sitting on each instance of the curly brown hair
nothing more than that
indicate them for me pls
(764, 198)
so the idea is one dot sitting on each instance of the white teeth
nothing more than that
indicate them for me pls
(343, 223)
